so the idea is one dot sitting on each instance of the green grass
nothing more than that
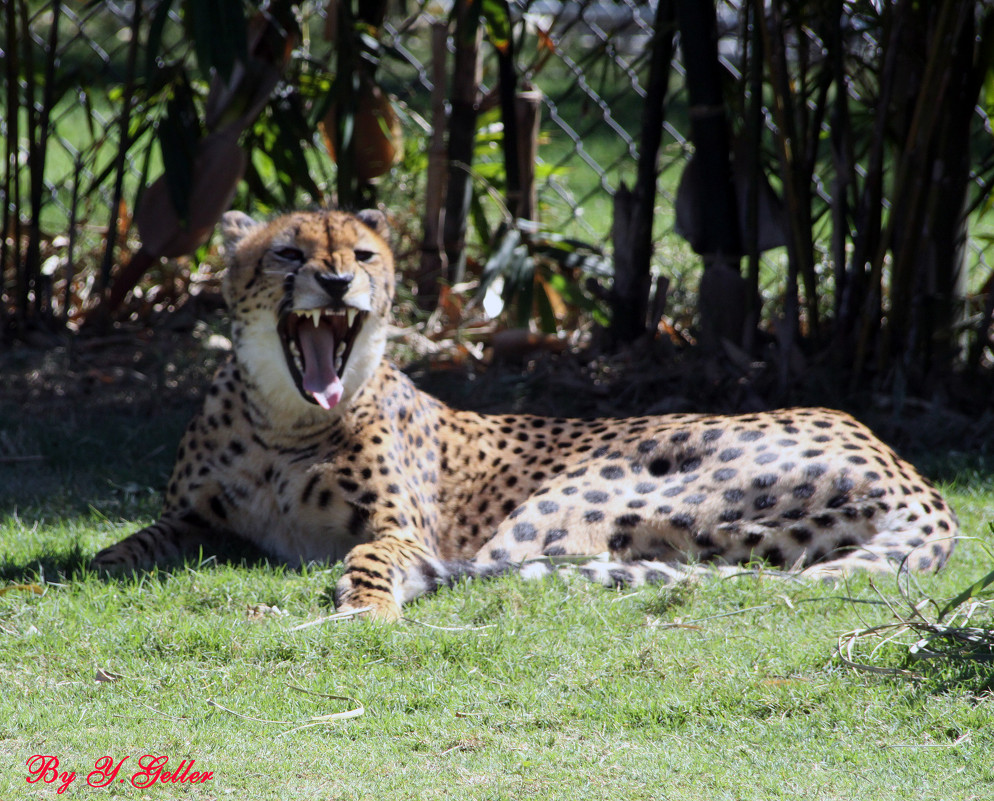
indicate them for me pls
(558, 689)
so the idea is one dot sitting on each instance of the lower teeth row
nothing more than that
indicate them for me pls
(297, 357)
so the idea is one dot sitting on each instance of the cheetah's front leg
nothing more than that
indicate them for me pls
(382, 575)
(166, 542)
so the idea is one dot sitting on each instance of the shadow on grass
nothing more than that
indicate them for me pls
(80, 464)
(47, 566)
(72, 564)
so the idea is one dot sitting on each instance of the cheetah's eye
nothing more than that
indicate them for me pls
(289, 254)
(364, 255)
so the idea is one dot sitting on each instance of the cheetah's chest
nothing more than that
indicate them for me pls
(292, 502)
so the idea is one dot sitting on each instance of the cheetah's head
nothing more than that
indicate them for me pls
(310, 296)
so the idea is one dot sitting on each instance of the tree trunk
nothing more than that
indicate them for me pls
(634, 211)
(722, 298)
(462, 136)
(433, 261)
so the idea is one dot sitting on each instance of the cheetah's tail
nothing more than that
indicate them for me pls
(430, 575)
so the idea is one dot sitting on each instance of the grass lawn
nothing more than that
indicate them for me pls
(730, 689)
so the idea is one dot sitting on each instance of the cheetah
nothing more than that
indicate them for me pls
(313, 447)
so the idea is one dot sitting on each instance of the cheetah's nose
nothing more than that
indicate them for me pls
(334, 284)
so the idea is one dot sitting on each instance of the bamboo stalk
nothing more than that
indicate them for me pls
(38, 148)
(909, 183)
(753, 136)
(462, 134)
(433, 258)
(124, 144)
(11, 183)
(633, 211)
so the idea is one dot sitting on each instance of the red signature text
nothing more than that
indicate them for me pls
(151, 769)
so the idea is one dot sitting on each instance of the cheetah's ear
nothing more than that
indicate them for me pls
(234, 226)
(375, 219)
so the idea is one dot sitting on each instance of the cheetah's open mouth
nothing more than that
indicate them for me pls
(317, 344)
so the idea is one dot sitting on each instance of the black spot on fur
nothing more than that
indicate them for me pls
(659, 467)
(554, 535)
(524, 532)
(801, 534)
(619, 541)
(843, 483)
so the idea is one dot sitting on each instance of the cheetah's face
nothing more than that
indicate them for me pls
(310, 296)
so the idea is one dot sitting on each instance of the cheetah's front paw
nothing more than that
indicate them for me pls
(365, 601)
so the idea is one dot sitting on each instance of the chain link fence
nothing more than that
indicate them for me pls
(82, 145)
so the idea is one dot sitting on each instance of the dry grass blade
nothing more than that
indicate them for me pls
(216, 705)
(338, 616)
(963, 738)
(356, 711)
(848, 641)
(961, 642)
(448, 628)
(320, 720)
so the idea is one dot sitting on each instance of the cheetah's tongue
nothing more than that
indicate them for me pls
(317, 346)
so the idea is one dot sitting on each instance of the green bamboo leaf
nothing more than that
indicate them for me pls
(178, 134)
(546, 315)
(154, 43)
(497, 16)
(499, 260)
(219, 35)
(522, 282)
(259, 186)
(483, 231)
(973, 591)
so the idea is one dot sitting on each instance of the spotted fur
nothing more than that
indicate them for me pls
(411, 493)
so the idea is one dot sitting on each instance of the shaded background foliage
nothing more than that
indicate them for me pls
(805, 184)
